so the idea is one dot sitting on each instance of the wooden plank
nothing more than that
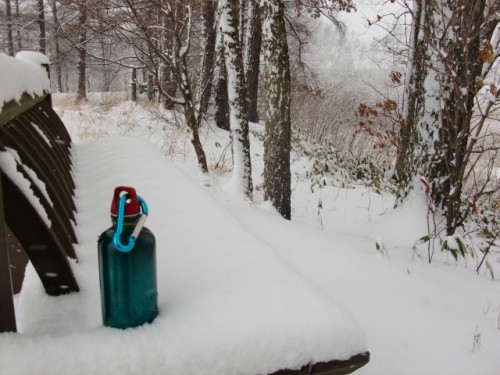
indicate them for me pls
(42, 246)
(29, 151)
(45, 119)
(18, 261)
(7, 313)
(12, 109)
(57, 133)
(336, 367)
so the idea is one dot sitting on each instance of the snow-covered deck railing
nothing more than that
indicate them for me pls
(36, 188)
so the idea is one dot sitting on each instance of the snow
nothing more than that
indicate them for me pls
(22, 75)
(242, 291)
(451, 242)
(42, 134)
(33, 57)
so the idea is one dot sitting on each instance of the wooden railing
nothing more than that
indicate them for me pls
(37, 210)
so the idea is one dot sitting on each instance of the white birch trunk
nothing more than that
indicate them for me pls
(242, 171)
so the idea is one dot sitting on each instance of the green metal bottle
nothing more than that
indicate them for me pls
(127, 264)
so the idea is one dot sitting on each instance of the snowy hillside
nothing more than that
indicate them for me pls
(346, 261)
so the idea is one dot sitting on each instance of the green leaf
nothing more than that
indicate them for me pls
(461, 247)
(423, 239)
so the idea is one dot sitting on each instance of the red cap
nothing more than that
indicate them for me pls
(132, 206)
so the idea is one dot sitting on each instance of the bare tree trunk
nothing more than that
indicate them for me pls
(415, 78)
(18, 31)
(190, 114)
(254, 40)
(168, 82)
(242, 166)
(241, 8)
(57, 63)
(82, 58)
(8, 18)
(221, 99)
(210, 35)
(42, 39)
(277, 141)
(185, 87)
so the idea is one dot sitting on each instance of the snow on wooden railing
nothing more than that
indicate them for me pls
(37, 209)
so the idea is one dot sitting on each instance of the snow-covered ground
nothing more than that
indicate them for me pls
(224, 263)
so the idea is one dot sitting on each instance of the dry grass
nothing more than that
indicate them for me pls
(105, 100)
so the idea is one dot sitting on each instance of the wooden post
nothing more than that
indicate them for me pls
(48, 98)
(150, 87)
(7, 313)
(133, 85)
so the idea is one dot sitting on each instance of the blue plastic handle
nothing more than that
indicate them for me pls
(119, 224)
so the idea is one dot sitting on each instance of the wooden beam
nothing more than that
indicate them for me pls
(335, 367)
(7, 313)
(42, 246)
(12, 109)
(18, 261)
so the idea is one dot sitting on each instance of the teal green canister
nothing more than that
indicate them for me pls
(127, 264)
